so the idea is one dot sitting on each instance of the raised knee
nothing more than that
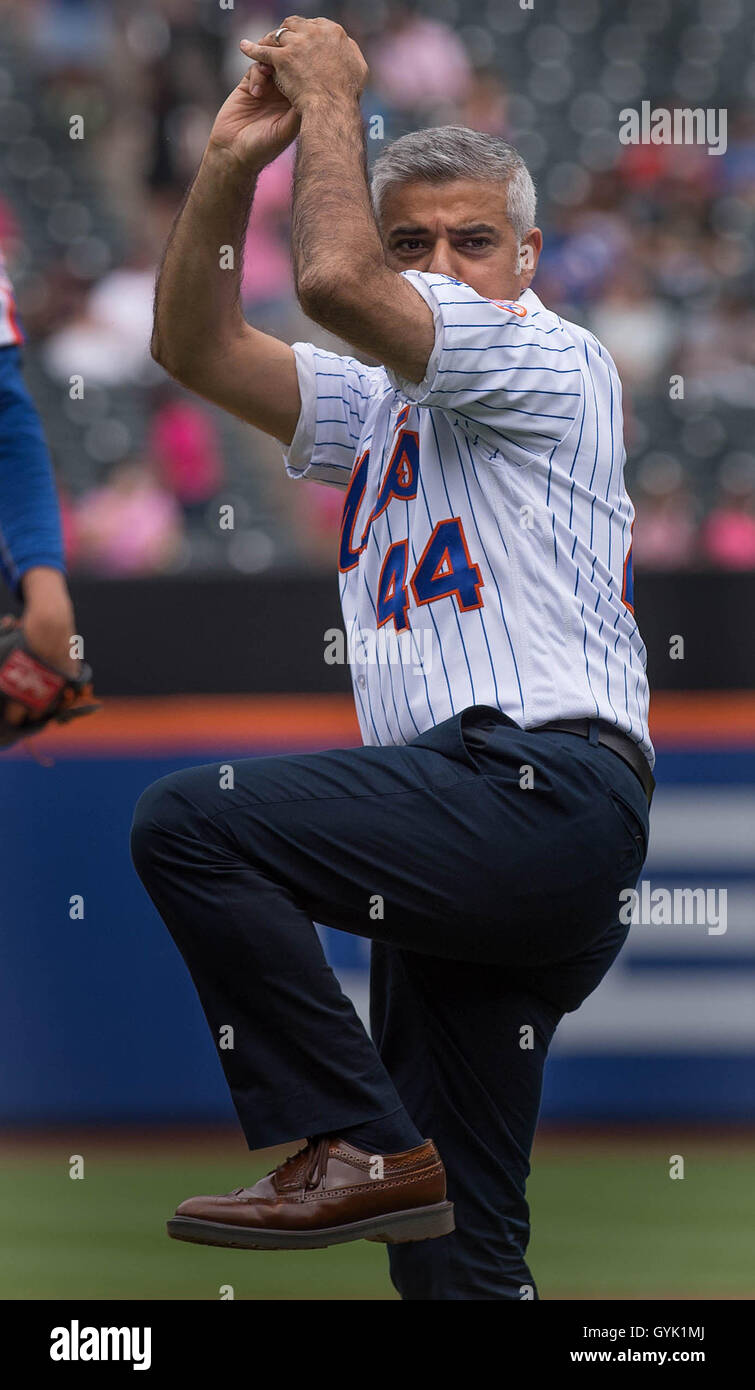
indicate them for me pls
(156, 813)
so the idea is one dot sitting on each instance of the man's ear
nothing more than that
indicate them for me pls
(529, 254)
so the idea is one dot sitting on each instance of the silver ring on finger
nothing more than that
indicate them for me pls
(278, 32)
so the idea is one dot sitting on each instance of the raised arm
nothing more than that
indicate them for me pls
(342, 279)
(200, 335)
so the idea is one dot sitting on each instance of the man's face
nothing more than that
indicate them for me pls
(460, 229)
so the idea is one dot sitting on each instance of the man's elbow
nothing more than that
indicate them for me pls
(314, 292)
(156, 348)
(159, 351)
(328, 300)
(171, 361)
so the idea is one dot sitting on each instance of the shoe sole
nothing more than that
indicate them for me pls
(421, 1223)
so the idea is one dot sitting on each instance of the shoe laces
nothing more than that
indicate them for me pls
(317, 1151)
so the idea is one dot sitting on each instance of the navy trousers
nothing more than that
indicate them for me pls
(485, 864)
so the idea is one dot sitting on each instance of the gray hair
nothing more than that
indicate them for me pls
(447, 152)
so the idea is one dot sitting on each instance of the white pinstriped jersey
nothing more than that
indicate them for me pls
(485, 553)
(10, 331)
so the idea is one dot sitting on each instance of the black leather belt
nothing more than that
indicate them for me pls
(597, 731)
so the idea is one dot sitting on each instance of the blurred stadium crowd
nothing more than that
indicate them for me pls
(651, 246)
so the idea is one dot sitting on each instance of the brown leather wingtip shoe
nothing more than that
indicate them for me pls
(326, 1194)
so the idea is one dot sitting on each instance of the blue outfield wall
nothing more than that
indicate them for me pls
(99, 1020)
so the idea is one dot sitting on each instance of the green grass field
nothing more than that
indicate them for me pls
(608, 1222)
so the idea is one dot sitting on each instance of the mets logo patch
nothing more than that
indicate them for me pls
(518, 309)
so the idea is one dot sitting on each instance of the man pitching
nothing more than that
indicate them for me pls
(483, 834)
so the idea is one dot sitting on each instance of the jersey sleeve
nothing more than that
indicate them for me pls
(510, 380)
(11, 333)
(30, 531)
(335, 394)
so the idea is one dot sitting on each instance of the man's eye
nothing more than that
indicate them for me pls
(414, 244)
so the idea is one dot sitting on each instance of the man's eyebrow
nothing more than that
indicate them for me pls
(473, 229)
(476, 229)
(408, 231)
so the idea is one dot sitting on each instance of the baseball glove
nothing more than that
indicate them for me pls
(45, 692)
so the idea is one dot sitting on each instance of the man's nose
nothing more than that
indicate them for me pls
(443, 260)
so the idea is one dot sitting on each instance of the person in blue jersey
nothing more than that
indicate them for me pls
(37, 668)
